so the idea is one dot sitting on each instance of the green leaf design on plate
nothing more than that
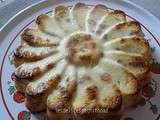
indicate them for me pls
(154, 109)
(151, 92)
(27, 116)
(11, 90)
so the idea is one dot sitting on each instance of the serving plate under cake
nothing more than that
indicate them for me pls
(13, 101)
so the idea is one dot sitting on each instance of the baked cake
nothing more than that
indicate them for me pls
(82, 62)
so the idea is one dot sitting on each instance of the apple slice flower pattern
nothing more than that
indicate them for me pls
(148, 92)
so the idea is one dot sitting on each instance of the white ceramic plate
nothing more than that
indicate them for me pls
(12, 102)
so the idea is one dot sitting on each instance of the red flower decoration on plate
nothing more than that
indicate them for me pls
(18, 97)
(147, 91)
(24, 115)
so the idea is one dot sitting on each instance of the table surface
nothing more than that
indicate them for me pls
(9, 8)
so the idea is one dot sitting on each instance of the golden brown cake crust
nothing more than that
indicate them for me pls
(82, 62)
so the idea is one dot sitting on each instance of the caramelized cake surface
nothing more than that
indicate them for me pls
(82, 63)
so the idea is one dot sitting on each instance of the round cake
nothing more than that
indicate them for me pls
(82, 62)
